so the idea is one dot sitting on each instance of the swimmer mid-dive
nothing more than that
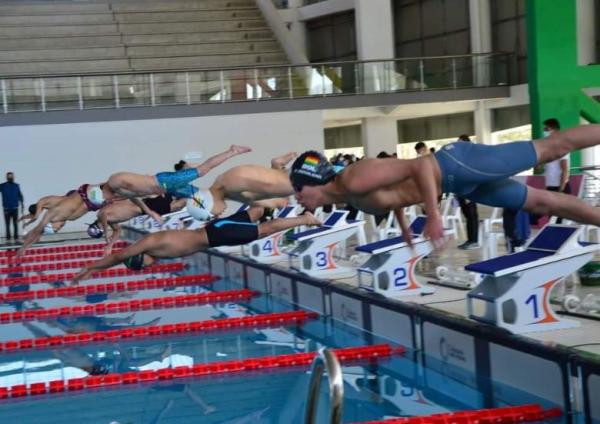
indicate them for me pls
(480, 173)
(249, 184)
(132, 186)
(36, 209)
(123, 210)
(237, 229)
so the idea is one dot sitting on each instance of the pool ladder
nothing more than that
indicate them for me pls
(325, 360)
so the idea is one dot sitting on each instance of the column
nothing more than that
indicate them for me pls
(483, 123)
(379, 134)
(480, 19)
(586, 54)
(297, 27)
(375, 40)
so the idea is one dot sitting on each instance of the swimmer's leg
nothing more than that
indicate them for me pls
(281, 161)
(562, 142)
(543, 202)
(216, 160)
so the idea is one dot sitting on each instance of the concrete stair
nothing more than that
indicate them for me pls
(61, 37)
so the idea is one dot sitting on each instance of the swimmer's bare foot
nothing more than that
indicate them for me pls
(238, 150)
(281, 161)
(310, 219)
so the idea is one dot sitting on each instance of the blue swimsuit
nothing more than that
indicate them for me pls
(481, 173)
(177, 184)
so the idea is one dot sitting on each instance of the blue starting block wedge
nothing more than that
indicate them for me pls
(268, 250)
(515, 291)
(390, 270)
(314, 251)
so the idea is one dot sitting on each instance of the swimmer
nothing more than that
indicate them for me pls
(69, 208)
(124, 210)
(131, 186)
(234, 230)
(249, 184)
(479, 173)
(36, 209)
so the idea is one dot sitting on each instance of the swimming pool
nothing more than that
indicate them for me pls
(408, 383)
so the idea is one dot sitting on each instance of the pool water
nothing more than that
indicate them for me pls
(398, 386)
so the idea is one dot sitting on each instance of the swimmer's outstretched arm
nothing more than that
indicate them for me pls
(111, 260)
(116, 234)
(218, 159)
(34, 235)
(140, 204)
(406, 232)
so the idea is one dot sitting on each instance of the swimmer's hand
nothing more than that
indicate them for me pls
(310, 219)
(434, 230)
(84, 274)
(157, 217)
(238, 150)
(21, 252)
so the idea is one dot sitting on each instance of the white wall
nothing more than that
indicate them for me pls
(52, 159)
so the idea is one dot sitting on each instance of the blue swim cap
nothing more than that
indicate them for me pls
(135, 263)
(311, 168)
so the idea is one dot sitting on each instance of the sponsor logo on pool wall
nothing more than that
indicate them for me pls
(450, 363)
(510, 383)
(236, 272)
(347, 310)
(281, 287)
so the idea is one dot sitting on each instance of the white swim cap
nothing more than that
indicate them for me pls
(95, 195)
(200, 205)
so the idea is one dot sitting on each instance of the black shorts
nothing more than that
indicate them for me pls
(232, 230)
(160, 204)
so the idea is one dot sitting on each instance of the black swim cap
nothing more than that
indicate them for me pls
(32, 208)
(311, 168)
(135, 263)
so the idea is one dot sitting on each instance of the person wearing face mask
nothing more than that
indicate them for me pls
(421, 149)
(557, 171)
(11, 198)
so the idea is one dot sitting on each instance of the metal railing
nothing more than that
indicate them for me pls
(29, 93)
(325, 361)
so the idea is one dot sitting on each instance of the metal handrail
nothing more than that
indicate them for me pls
(325, 361)
(265, 66)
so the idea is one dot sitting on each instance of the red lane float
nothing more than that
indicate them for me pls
(366, 353)
(107, 273)
(505, 415)
(63, 248)
(52, 266)
(13, 260)
(126, 306)
(196, 327)
(90, 289)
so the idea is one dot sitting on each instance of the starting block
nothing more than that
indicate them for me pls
(267, 250)
(516, 288)
(315, 247)
(390, 270)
